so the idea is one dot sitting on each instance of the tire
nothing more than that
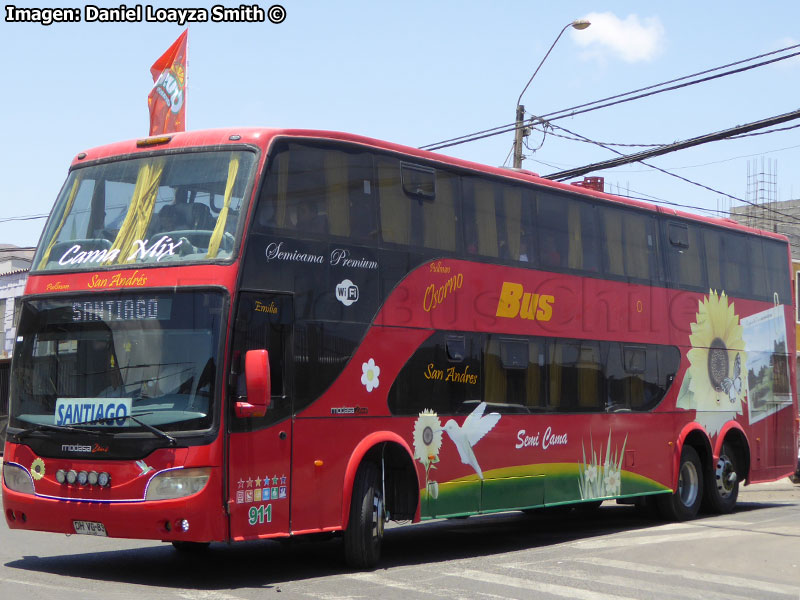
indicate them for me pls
(685, 502)
(722, 489)
(364, 533)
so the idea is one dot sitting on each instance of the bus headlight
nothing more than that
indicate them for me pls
(177, 483)
(17, 479)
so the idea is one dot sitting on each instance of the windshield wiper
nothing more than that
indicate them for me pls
(172, 441)
(99, 432)
(70, 428)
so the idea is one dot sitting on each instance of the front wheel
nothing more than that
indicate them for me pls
(723, 490)
(685, 502)
(364, 533)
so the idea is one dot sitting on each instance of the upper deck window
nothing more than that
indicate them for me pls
(176, 207)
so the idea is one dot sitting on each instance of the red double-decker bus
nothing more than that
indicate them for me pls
(240, 334)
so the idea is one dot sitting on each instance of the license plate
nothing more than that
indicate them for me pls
(90, 528)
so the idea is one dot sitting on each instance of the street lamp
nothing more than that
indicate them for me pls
(579, 24)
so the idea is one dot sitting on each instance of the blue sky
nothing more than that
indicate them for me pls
(414, 72)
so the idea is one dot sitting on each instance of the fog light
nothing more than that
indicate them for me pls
(104, 479)
(182, 525)
(83, 477)
(61, 476)
(92, 477)
(10, 515)
(72, 475)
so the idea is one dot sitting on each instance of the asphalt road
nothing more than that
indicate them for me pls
(615, 552)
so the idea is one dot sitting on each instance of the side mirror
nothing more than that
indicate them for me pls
(257, 376)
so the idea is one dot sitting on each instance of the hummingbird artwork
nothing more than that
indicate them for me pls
(475, 426)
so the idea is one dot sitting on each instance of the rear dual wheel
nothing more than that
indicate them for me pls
(722, 490)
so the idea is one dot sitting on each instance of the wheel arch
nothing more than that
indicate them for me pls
(733, 435)
(402, 480)
(695, 436)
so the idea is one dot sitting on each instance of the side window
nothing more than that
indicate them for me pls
(263, 321)
(395, 208)
(638, 376)
(319, 190)
(505, 368)
(551, 220)
(441, 215)
(776, 258)
(443, 375)
(684, 256)
(567, 234)
(630, 244)
(480, 217)
(514, 224)
(577, 376)
(321, 350)
(712, 240)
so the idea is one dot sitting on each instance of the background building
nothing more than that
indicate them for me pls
(14, 266)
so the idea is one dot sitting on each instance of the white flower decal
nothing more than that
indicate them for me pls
(598, 478)
(370, 372)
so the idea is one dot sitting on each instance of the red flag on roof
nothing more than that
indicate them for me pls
(167, 99)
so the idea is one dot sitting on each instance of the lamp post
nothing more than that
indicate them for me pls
(579, 24)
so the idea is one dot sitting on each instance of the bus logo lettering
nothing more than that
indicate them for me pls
(514, 300)
(435, 296)
(347, 292)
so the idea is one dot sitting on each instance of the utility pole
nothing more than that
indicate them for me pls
(579, 24)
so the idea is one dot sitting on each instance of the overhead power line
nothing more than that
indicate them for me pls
(791, 217)
(695, 141)
(624, 97)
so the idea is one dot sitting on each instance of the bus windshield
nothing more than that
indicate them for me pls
(121, 361)
(178, 207)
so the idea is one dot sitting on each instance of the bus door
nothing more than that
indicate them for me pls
(259, 449)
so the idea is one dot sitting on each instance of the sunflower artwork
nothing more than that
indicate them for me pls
(715, 384)
(427, 443)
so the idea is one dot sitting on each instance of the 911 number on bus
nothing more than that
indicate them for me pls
(257, 514)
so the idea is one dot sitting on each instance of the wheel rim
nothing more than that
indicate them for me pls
(377, 517)
(688, 484)
(726, 477)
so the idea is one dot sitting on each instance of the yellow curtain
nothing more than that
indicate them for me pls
(613, 242)
(439, 216)
(486, 218)
(219, 228)
(140, 211)
(575, 243)
(337, 193)
(395, 206)
(512, 203)
(70, 201)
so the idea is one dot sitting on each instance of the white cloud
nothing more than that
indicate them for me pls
(789, 63)
(631, 39)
